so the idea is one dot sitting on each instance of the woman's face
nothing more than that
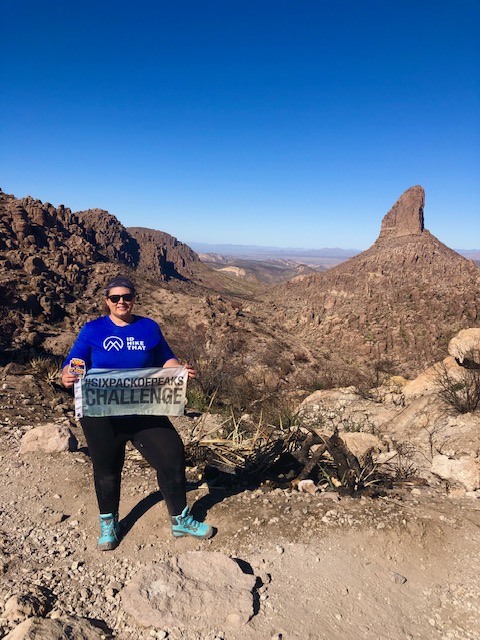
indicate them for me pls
(119, 307)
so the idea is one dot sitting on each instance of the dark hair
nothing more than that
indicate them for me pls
(119, 281)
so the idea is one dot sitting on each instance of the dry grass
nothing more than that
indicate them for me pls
(237, 448)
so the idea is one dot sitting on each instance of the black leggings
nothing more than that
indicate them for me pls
(158, 442)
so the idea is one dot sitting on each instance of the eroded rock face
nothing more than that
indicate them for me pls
(163, 255)
(406, 215)
(196, 590)
(110, 236)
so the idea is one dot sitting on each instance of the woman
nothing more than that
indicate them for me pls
(106, 343)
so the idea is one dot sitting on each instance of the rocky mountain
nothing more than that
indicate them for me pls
(152, 253)
(164, 256)
(397, 303)
(398, 300)
(53, 264)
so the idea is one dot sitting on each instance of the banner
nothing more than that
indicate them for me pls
(124, 392)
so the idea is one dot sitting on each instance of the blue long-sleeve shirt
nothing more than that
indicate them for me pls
(104, 345)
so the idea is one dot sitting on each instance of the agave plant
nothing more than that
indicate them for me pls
(46, 368)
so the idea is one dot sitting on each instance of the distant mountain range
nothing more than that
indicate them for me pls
(470, 254)
(255, 252)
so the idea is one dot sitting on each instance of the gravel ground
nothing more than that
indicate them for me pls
(405, 565)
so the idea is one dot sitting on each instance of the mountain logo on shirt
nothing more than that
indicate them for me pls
(113, 342)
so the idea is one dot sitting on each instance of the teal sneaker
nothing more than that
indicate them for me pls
(186, 525)
(109, 531)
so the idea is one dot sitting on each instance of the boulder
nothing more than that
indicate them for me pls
(34, 265)
(20, 606)
(432, 380)
(464, 470)
(59, 629)
(199, 589)
(465, 346)
(48, 438)
(345, 410)
(361, 443)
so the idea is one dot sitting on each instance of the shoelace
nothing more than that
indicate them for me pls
(108, 527)
(189, 522)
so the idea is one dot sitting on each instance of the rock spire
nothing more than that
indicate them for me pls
(405, 218)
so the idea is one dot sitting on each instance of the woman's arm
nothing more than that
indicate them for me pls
(80, 349)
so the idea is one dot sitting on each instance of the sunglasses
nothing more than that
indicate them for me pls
(127, 297)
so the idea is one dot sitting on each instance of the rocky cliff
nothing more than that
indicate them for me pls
(164, 256)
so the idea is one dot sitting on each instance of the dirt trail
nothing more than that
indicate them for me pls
(403, 566)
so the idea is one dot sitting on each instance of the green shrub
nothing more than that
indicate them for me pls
(460, 390)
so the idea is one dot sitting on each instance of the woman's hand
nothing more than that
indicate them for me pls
(191, 371)
(173, 362)
(68, 379)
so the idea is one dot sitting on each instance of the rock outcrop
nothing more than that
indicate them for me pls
(413, 421)
(405, 218)
(163, 256)
(465, 347)
(110, 237)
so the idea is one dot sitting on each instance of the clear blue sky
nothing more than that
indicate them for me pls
(286, 123)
